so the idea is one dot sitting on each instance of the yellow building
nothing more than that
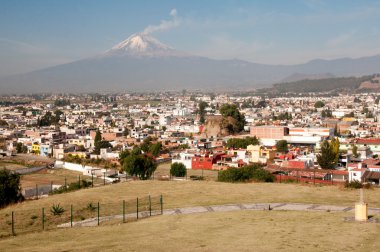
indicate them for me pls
(259, 154)
(36, 148)
(77, 154)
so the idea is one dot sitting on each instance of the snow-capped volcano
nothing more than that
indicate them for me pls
(143, 45)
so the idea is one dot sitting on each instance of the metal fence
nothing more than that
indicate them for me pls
(78, 215)
(39, 190)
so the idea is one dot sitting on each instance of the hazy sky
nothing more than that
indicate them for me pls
(41, 33)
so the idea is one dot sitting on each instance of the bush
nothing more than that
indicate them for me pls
(72, 187)
(244, 174)
(10, 188)
(178, 170)
(357, 185)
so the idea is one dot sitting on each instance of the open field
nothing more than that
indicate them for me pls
(164, 170)
(228, 231)
(204, 193)
(55, 176)
(10, 165)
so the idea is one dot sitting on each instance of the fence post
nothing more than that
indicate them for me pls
(314, 177)
(123, 211)
(43, 218)
(280, 178)
(98, 213)
(71, 215)
(150, 206)
(297, 177)
(13, 224)
(36, 191)
(161, 203)
(51, 186)
(137, 207)
(92, 179)
(79, 181)
(104, 178)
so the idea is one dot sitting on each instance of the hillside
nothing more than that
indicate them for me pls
(321, 85)
(192, 232)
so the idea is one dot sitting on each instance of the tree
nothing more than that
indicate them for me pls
(355, 151)
(10, 188)
(142, 166)
(202, 111)
(102, 145)
(98, 137)
(319, 104)
(125, 132)
(335, 145)
(242, 143)
(19, 147)
(328, 158)
(282, 146)
(178, 170)
(123, 155)
(155, 149)
(231, 110)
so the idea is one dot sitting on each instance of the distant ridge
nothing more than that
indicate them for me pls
(142, 63)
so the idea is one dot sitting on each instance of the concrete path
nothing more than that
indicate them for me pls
(226, 208)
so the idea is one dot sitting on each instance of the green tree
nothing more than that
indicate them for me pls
(19, 147)
(125, 132)
(242, 143)
(101, 145)
(282, 146)
(155, 149)
(355, 151)
(123, 155)
(319, 104)
(202, 111)
(10, 188)
(328, 157)
(142, 166)
(178, 170)
(232, 111)
(98, 137)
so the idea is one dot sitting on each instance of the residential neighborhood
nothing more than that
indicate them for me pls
(65, 126)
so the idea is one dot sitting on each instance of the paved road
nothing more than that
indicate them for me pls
(228, 208)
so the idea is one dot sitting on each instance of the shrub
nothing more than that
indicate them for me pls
(72, 187)
(244, 174)
(178, 170)
(357, 185)
(57, 209)
(10, 188)
(353, 184)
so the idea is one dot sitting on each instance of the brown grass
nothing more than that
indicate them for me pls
(164, 170)
(228, 231)
(57, 176)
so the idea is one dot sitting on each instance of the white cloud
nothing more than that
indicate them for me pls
(164, 24)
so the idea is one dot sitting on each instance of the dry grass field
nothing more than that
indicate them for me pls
(241, 230)
(57, 176)
(228, 231)
(164, 170)
(204, 193)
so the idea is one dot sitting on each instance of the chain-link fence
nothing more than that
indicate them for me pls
(78, 215)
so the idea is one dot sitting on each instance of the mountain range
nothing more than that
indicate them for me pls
(142, 63)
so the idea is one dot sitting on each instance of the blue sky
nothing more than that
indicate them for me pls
(42, 33)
